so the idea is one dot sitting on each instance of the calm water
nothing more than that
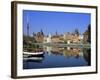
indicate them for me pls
(53, 57)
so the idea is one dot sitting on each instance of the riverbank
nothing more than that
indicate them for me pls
(63, 45)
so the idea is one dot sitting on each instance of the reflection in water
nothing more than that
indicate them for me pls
(34, 59)
(87, 55)
(58, 57)
(65, 51)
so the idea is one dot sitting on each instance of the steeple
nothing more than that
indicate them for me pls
(56, 32)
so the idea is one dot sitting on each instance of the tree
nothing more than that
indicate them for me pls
(89, 33)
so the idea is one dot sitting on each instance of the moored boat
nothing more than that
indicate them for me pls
(37, 59)
(29, 54)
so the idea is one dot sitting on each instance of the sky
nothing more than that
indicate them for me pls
(51, 22)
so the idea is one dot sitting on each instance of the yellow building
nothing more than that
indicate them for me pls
(71, 38)
(57, 38)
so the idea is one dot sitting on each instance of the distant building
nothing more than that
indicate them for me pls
(71, 38)
(39, 37)
(47, 39)
(81, 37)
(53, 39)
(86, 36)
(57, 38)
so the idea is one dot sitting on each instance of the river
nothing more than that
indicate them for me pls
(54, 57)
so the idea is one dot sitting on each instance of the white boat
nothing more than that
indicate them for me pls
(33, 53)
(34, 58)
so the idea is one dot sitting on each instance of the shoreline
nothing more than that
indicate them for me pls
(63, 45)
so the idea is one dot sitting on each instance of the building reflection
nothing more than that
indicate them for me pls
(63, 51)
(87, 55)
(75, 52)
(38, 59)
(70, 52)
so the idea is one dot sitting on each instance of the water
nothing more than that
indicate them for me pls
(55, 57)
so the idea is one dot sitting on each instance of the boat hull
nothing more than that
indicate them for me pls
(31, 54)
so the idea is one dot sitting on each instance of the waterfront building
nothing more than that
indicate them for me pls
(47, 39)
(67, 38)
(39, 37)
(71, 38)
(57, 38)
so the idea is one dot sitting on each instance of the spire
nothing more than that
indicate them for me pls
(56, 32)
(42, 32)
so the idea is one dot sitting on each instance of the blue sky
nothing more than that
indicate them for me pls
(50, 22)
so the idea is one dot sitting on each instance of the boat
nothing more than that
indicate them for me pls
(33, 59)
(30, 54)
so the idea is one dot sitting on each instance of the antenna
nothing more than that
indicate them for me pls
(27, 25)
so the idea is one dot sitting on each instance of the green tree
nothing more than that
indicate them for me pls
(89, 33)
